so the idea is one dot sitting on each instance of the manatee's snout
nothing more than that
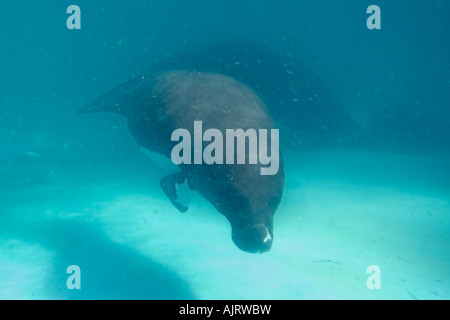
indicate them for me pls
(253, 239)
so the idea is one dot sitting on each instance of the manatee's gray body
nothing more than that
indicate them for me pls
(157, 105)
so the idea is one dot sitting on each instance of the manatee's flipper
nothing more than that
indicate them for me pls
(176, 188)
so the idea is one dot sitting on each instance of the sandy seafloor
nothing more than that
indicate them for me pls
(341, 212)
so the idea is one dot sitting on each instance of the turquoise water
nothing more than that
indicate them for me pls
(364, 128)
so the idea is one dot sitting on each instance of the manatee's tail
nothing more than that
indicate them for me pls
(122, 98)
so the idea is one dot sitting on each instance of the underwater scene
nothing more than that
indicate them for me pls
(225, 150)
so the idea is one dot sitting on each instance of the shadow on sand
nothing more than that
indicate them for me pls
(108, 270)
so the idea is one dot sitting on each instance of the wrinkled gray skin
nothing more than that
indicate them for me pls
(157, 105)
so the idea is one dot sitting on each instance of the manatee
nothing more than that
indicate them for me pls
(156, 105)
